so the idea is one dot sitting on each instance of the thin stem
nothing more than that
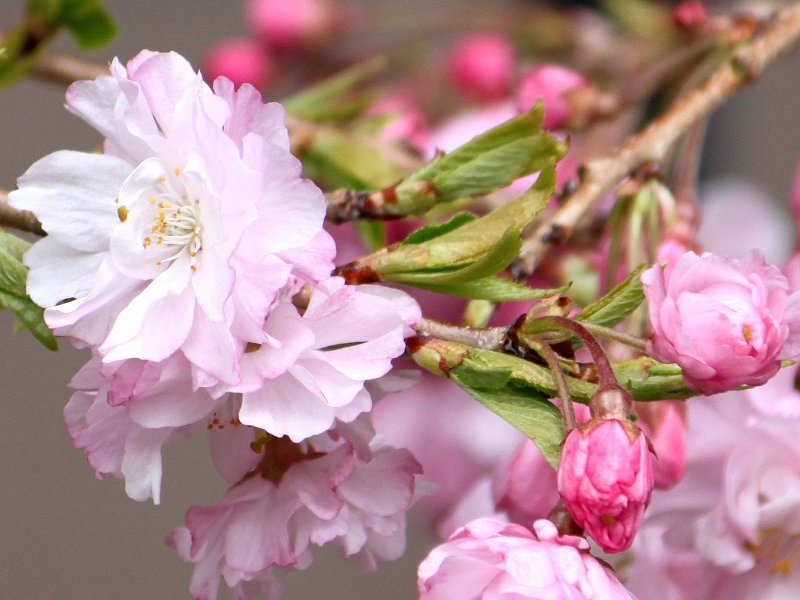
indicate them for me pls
(652, 144)
(604, 371)
(22, 220)
(617, 336)
(486, 339)
(550, 357)
(60, 68)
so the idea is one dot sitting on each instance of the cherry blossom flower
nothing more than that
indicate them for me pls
(341, 487)
(730, 529)
(312, 366)
(180, 235)
(483, 65)
(125, 412)
(491, 560)
(726, 322)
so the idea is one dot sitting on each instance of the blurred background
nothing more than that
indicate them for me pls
(65, 534)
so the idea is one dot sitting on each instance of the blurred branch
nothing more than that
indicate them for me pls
(60, 68)
(652, 144)
(22, 220)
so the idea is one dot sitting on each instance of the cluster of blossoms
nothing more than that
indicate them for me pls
(190, 258)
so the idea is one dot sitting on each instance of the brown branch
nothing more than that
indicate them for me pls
(63, 69)
(652, 144)
(22, 220)
(492, 338)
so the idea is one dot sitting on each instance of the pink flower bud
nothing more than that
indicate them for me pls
(241, 61)
(483, 65)
(690, 15)
(726, 322)
(664, 423)
(491, 560)
(550, 83)
(290, 25)
(605, 479)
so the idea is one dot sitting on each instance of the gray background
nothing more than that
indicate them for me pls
(65, 535)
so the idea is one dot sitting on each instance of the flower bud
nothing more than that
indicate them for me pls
(241, 61)
(726, 322)
(550, 83)
(605, 479)
(691, 15)
(290, 25)
(664, 423)
(482, 66)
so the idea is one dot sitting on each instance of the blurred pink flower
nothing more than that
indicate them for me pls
(290, 25)
(725, 322)
(731, 528)
(550, 83)
(525, 487)
(242, 61)
(664, 424)
(483, 66)
(491, 560)
(605, 478)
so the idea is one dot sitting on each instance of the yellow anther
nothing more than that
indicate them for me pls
(161, 180)
(608, 519)
(177, 171)
(164, 204)
(747, 332)
(122, 213)
(152, 199)
(782, 567)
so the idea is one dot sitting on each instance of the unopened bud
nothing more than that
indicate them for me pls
(605, 479)
(482, 66)
(241, 61)
(551, 84)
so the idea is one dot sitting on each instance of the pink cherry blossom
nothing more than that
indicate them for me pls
(605, 478)
(312, 366)
(341, 487)
(730, 529)
(125, 412)
(491, 560)
(181, 235)
(483, 65)
(551, 84)
(725, 322)
(242, 61)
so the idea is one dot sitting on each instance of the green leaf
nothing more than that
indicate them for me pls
(372, 232)
(527, 410)
(90, 24)
(490, 161)
(13, 296)
(429, 232)
(620, 302)
(494, 261)
(494, 288)
(314, 103)
(91, 27)
(357, 161)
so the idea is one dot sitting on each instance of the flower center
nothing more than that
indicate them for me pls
(778, 552)
(176, 227)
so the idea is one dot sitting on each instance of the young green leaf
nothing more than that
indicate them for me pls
(494, 288)
(314, 103)
(620, 302)
(489, 161)
(429, 232)
(13, 296)
(527, 410)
